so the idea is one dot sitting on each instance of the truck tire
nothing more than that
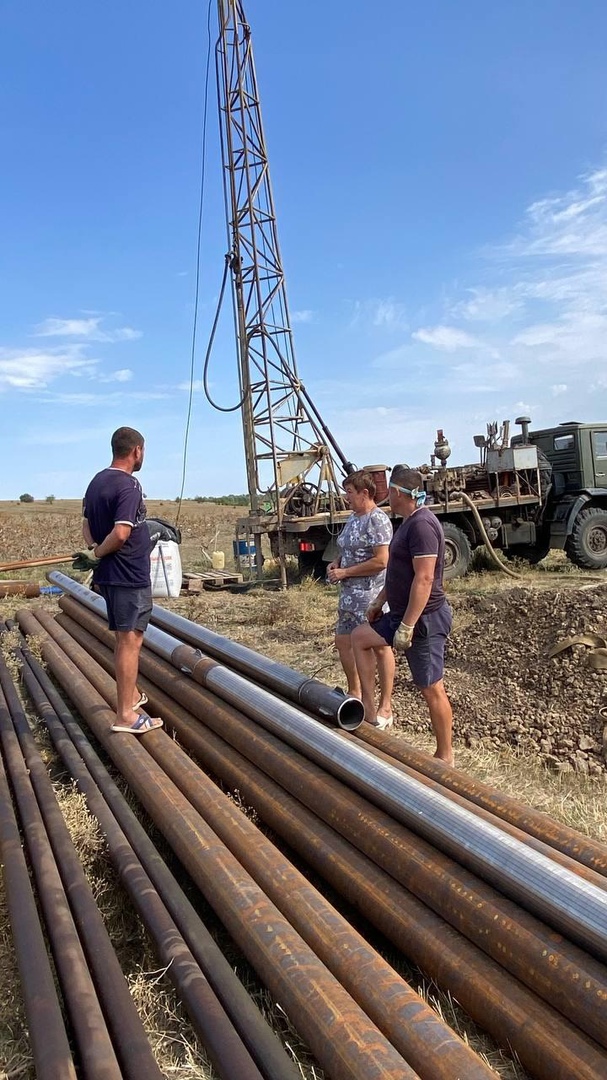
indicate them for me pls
(587, 545)
(458, 552)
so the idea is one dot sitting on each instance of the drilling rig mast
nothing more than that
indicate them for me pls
(292, 459)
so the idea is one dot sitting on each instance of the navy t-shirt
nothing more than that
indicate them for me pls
(114, 497)
(420, 534)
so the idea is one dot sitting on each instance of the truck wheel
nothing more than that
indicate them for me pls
(587, 545)
(458, 552)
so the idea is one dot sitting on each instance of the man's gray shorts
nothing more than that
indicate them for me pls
(426, 656)
(127, 609)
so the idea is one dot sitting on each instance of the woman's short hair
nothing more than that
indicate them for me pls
(361, 481)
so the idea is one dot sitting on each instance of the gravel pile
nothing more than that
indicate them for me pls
(504, 689)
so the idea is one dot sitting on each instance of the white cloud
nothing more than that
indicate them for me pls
(558, 388)
(122, 375)
(445, 337)
(304, 316)
(86, 329)
(386, 313)
(32, 369)
(487, 305)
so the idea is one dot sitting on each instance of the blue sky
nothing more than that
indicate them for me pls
(440, 178)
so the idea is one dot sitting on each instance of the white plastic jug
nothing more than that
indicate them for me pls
(219, 560)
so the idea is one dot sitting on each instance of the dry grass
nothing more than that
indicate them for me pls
(296, 628)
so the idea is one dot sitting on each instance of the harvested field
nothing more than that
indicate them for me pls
(524, 723)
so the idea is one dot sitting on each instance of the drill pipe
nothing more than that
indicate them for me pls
(569, 841)
(26, 589)
(549, 1046)
(92, 777)
(571, 864)
(338, 1032)
(128, 1035)
(572, 905)
(556, 894)
(208, 1018)
(567, 978)
(48, 1041)
(404, 1018)
(94, 1046)
(347, 712)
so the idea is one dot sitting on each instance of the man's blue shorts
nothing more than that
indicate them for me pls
(426, 656)
(127, 609)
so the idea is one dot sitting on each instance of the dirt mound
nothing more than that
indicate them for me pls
(505, 690)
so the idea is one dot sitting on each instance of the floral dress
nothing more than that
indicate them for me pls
(356, 542)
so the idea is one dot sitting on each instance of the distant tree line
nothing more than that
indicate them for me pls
(220, 500)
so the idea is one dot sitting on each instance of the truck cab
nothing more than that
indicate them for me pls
(576, 507)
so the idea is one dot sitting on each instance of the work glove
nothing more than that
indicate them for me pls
(84, 561)
(403, 638)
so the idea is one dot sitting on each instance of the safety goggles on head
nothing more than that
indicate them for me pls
(416, 493)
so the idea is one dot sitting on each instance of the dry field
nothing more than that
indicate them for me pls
(520, 720)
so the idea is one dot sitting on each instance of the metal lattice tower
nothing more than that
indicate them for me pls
(290, 454)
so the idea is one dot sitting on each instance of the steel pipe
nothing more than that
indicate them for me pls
(342, 1038)
(92, 778)
(561, 973)
(209, 1020)
(569, 841)
(128, 1035)
(49, 1044)
(567, 861)
(573, 906)
(410, 1025)
(316, 697)
(94, 1045)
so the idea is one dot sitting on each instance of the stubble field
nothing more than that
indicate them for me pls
(526, 724)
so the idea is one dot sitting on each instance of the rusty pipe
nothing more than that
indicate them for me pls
(94, 1045)
(208, 1018)
(23, 564)
(561, 973)
(557, 895)
(430, 1047)
(342, 1038)
(572, 905)
(347, 712)
(27, 589)
(563, 838)
(567, 861)
(92, 777)
(547, 1044)
(47, 1037)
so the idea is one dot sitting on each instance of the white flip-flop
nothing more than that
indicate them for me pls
(143, 700)
(143, 724)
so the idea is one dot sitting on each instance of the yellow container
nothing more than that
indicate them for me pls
(219, 560)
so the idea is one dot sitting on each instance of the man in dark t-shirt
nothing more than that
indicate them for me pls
(114, 529)
(419, 618)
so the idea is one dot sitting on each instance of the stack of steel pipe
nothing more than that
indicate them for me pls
(109, 1035)
(538, 993)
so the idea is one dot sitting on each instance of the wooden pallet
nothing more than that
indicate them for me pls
(209, 579)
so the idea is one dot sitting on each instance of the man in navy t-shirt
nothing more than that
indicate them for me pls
(114, 529)
(419, 617)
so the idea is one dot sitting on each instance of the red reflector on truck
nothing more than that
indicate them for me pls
(303, 546)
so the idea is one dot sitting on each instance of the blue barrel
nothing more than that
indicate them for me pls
(245, 553)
